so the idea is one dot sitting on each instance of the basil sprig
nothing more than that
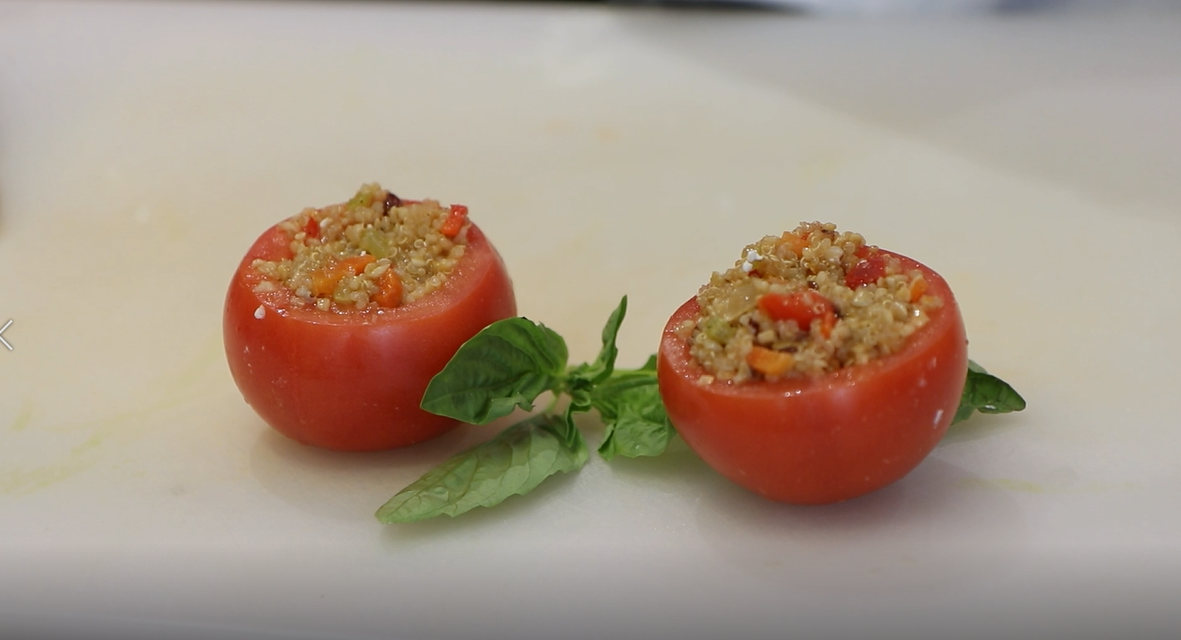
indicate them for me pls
(986, 393)
(508, 365)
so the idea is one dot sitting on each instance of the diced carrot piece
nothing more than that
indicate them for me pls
(827, 322)
(389, 290)
(917, 288)
(325, 280)
(355, 264)
(769, 362)
(794, 242)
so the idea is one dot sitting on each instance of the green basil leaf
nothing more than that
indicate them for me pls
(610, 397)
(512, 463)
(580, 400)
(605, 363)
(572, 436)
(507, 365)
(595, 372)
(629, 403)
(986, 393)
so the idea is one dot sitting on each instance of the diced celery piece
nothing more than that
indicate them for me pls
(374, 243)
(718, 329)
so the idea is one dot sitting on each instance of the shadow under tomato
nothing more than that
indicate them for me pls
(350, 485)
(928, 530)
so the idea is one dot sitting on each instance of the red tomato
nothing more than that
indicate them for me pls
(353, 381)
(826, 439)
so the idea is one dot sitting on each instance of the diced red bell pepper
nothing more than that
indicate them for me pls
(866, 272)
(804, 307)
(312, 228)
(454, 222)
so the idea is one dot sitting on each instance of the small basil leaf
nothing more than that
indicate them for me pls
(599, 370)
(507, 365)
(609, 396)
(637, 425)
(608, 352)
(986, 393)
(512, 463)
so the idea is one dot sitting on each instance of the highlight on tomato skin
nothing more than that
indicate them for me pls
(353, 381)
(818, 440)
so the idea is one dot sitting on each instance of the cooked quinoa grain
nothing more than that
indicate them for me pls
(805, 303)
(374, 252)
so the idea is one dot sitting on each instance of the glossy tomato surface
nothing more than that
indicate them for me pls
(826, 439)
(353, 381)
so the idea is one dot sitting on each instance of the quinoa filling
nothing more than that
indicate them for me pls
(376, 251)
(805, 303)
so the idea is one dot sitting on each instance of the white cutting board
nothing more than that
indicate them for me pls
(1032, 160)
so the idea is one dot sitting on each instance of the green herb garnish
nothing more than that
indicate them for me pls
(505, 366)
(630, 405)
(986, 393)
(512, 463)
(508, 365)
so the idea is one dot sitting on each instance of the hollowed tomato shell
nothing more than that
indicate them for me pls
(353, 381)
(826, 439)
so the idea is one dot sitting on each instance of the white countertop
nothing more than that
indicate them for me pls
(1031, 157)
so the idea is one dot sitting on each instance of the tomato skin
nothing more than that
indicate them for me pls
(827, 439)
(353, 381)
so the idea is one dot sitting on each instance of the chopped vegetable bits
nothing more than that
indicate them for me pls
(374, 252)
(805, 303)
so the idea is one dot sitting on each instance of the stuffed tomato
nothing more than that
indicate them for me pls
(338, 317)
(817, 369)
